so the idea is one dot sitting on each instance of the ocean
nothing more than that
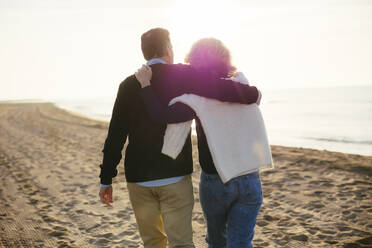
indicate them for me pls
(334, 119)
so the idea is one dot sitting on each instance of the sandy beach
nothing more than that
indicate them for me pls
(49, 162)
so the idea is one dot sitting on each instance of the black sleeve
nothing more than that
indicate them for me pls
(180, 79)
(116, 137)
(174, 113)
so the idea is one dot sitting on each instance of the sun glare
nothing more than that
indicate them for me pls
(193, 20)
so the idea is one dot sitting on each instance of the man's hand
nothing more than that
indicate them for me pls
(105, 194)
(144, 75)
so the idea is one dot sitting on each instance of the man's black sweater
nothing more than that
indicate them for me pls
(143, 158)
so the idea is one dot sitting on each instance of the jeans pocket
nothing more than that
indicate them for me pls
(252, 189)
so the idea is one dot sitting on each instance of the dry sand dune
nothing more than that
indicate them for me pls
(49, 190)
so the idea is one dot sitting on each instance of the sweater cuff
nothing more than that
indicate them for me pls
(106, 181)
(145, 89)
(106, 177)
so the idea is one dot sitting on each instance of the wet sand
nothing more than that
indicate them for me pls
(49, 190)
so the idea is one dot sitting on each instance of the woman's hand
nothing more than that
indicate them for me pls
(259, 98)
(144, 75)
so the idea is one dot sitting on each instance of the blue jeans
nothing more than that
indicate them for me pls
(230, 209)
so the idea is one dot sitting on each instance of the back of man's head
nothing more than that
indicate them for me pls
(154, 43)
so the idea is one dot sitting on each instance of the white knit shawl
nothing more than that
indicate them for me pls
(235, 133)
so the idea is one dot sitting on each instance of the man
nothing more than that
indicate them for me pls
(160, 188)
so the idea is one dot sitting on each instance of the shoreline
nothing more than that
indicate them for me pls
(49, 159)
(331, 146)
(323, 144)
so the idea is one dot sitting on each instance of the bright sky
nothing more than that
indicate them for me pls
(85, 48)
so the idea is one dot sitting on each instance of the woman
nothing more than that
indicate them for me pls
(230, 209)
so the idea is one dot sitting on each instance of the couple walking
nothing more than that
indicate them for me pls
(158, 157)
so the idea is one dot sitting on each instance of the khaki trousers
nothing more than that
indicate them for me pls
(164, 213)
